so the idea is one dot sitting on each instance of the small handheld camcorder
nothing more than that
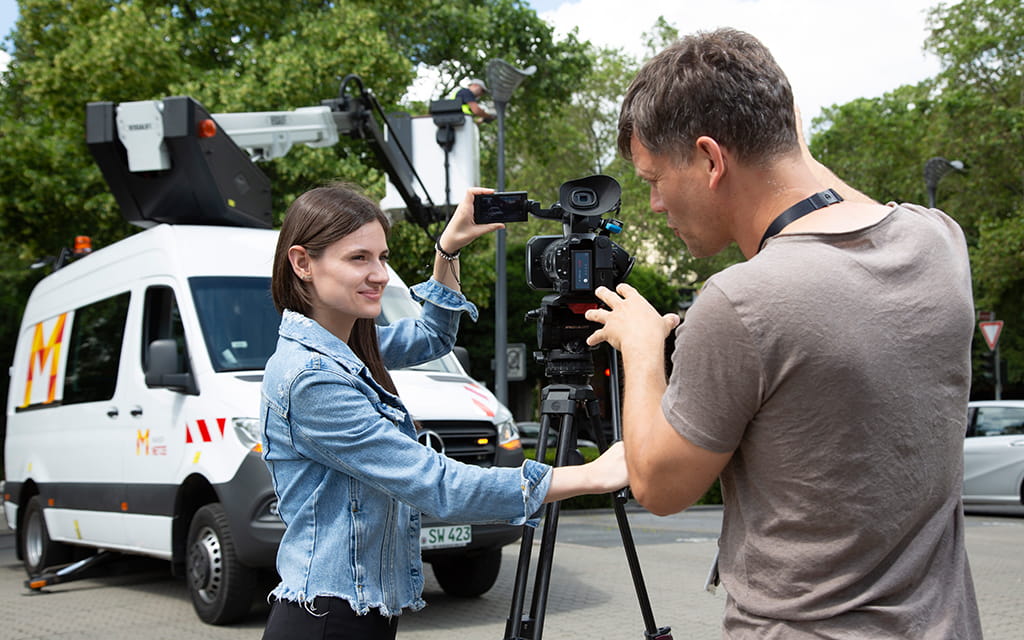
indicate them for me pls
(503, 206)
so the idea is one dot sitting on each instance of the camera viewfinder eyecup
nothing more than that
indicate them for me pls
(591, 196)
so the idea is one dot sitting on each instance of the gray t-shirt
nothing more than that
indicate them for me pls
(837, 368)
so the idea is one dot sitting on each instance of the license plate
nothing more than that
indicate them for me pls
(448, 536)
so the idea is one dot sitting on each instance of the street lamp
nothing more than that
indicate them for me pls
(503, 79)
(934, 169)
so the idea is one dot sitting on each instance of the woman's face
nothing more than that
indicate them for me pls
(348, 279)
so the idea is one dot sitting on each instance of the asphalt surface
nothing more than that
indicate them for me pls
(591, 592)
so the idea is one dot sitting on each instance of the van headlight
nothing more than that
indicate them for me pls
(508, 434)
(248, 432)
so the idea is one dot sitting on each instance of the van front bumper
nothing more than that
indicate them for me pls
(251, 506)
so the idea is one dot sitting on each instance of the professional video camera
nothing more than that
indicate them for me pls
(573, 264)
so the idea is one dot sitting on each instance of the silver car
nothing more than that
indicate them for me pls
(994, 453)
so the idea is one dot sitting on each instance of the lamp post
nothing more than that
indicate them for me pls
(934, 169)
(503, 79)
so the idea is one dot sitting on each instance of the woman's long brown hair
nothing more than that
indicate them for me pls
(317, 219)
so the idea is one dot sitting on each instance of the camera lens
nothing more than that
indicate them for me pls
(583, 198)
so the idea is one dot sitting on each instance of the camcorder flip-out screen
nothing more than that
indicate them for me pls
(503, 206)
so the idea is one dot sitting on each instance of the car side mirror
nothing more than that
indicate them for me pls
(462, 355)
(164, 370)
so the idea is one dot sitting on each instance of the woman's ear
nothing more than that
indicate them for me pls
(301, 262)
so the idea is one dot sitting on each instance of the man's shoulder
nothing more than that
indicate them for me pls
(749, 274)
(933, 216)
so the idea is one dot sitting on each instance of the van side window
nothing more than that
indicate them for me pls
(999, 421)
(94, 352)
(160, 320)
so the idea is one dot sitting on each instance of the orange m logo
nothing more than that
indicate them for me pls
(141, 442)
(40, 353)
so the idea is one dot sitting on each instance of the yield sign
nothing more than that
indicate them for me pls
(991, 332)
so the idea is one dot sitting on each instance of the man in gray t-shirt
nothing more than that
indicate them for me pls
(824, 380)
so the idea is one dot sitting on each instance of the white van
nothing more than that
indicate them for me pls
(132, 417)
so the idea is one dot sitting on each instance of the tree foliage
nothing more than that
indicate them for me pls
(560, 124)
(973, 111)
(249, 55)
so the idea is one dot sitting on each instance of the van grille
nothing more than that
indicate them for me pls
(462, 439)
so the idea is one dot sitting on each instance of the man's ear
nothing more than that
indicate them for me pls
(714, 159)
(300, 260)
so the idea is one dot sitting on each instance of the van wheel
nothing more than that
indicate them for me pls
(470, 575)
(37, 550)
(221, 587)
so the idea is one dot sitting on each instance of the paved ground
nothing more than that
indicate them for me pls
(591, 592)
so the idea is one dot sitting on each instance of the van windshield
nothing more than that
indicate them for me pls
(239, 322)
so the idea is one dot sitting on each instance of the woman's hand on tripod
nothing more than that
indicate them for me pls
(604, 475)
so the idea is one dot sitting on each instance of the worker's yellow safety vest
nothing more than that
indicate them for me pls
(465, 106)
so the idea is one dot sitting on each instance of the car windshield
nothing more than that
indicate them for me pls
(239, 322)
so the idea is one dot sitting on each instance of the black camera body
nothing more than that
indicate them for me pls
(579, 263)
(573, 265)
(584, 257)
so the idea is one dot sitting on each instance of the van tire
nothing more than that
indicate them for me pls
(470, 575)
(38, 551)
(221, 587)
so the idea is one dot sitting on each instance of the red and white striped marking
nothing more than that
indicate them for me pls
(204, 430)
(483, 401)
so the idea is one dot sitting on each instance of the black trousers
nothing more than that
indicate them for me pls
(291, 621)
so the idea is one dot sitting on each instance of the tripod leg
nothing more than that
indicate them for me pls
(517, 625)
(545, 557)
(651, 629)
(514, 624)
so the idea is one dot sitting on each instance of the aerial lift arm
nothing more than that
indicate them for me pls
(172, 161)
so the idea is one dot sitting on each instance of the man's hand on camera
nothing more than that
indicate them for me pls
(630, 322)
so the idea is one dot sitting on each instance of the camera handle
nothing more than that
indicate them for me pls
(570, 403)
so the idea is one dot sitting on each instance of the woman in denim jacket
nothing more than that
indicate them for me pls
(350, 477)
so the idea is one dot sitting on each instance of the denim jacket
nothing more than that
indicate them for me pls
(350, 477)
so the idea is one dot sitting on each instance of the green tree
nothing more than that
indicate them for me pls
(972, 111)
(240, 55)
(235, 56)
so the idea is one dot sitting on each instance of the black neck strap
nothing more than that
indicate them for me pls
(817, 201)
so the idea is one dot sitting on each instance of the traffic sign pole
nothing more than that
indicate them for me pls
(999, 375)
(990, 330)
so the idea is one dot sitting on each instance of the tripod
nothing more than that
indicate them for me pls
(570, 401)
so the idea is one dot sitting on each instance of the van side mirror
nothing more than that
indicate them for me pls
(462, 355)
(164, 370)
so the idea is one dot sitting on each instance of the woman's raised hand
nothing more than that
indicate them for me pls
(461, 229)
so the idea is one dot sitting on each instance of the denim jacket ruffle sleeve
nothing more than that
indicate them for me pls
(350, 476)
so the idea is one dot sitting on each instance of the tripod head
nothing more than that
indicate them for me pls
(562, 332)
